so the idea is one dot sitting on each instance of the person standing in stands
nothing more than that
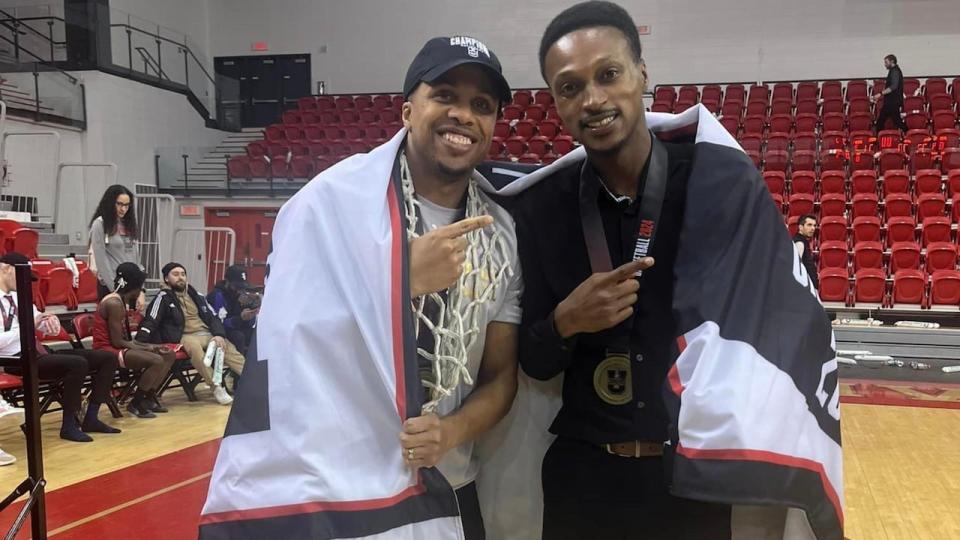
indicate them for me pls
(178, 314)
(237, 303)
(70, 365)
(111, 333)
(806, 228)
(892, 96)
(114, 238)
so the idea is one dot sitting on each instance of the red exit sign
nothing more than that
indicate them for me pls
(259, 46)
(643, 30)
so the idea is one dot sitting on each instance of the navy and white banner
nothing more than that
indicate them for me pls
(311, 448)
(753, 395)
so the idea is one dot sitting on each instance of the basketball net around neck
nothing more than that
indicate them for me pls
(457, 321)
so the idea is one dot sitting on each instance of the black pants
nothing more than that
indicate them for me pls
(470, 514)
(73, 365)
(591, 494)
(893, 113)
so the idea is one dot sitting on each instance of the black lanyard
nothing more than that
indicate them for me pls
(8, 318)
(651, 205)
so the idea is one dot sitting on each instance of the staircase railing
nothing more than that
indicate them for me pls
(150, 62)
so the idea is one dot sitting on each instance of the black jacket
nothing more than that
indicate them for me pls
(164, 318)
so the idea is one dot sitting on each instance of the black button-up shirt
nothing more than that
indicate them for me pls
(554, 259)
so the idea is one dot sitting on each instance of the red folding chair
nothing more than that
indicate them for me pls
(870, 286)
(834, 285)
(909, 287)
(904, 256)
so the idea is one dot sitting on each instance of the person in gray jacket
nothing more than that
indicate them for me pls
(114, 238)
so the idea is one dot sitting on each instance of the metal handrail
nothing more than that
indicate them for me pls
(183, 45)
(151, 62)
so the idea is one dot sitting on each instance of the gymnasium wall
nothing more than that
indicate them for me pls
(369, 43)
(126, 122)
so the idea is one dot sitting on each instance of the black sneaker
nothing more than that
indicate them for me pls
(153, 403)
(140, 410)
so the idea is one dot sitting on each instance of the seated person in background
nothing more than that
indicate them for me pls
(237, 303)
(72, 365)
(111, 333)
(179, 314)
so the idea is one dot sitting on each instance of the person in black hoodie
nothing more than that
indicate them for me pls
(179, 314)
(892, 96)
(236, 303)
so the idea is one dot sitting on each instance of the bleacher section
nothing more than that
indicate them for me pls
(889, 204)
(323, 130)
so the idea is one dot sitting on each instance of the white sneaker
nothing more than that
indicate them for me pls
(7, 409)
(221, 395)
(7, 459)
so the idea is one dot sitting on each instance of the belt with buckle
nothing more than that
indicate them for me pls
(634, 449)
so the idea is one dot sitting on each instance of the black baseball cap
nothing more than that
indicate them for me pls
(14, 258)
(441, 54)
(236, 275)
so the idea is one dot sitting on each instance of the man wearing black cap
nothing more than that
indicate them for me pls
(459, 248)
(178, 314)
(236, 303)
(454, 90)
(70, 365)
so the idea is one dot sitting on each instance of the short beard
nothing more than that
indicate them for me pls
(179, 288)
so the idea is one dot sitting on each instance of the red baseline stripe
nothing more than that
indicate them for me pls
(312, 507)
(396, 295)
(769, 457)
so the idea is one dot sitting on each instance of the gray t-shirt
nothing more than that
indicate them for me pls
(460, 466)
(110, 251)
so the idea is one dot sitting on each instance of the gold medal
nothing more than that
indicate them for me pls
(612, 379)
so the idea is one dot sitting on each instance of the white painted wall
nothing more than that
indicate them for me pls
(126, 123)
(371, 42)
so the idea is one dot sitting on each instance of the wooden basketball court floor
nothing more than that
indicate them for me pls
(902, 470)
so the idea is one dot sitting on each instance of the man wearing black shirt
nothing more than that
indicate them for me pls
(806, 227)
(892, 95)
(585, 314)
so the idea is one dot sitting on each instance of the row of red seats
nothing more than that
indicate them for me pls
(323, 118)
(839, 160)
(55, 286)
(915, 140)
(804, 91)
(538, 146)
(926, 205)
(346, 102)
(831, 122)
(892, 181)
(897, 229)
(903, 255)
(296, 168)
(527, 129)
(870, 286)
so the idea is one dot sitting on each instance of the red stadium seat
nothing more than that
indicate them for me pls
(863, 182)
(273, 133)
(866, 229)
(890, 139)
(279, 169)
(922, 158)
(833, 140)
(524, 128)
(543, 97)
(834, 285)
(950, 159)
(711, 92)
(916, 120)
(259, 167)
(529, 158)
(808, 106)
(661, 107)
(833, 254)
(944, 119)
(57, 286)
(864, 204)
(930, 205)
(25, 242)
(863, 141)
(667, 93)
(257, 149)
(516, 146)
(501, 129)
(299, 149)
(913, 104)
(290, 117)
(807, 90)
(753, 142)
(935, 85)
(87, 289)
(538, 145)
(901, 229)
(344, 102)
(833, 121)
(947, 138)
(522, 98)
(803, 161)
(781, 107)
(302, 167)
(512, 112)
(807, 123)
(953, 181)
(496, 148)
(833, 204)
(348, 116)
(955, 205)
(941, 256)
(382, 102)
(800, 204)
(805, 141)
(731, 124)
(549, 128)
(896, 181)
(935, 229)
(388, 116)
(867, 255)
(308, 103)
(945, 288)
(535, 112)
(833, 229)
(891, 159)
(833, 160)
(904, 255)
(778, 201)
(775, 180)
(754, 124)
(898, 204)
(778, 141)
(870, 286)
(909, 287)
(803, 182)
(368, 116)
(833, 182)
(237, 167)
(862, 161)
(929, 181)
(562, 144)
(783, 91)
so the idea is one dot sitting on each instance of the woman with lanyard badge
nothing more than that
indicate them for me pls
(113, 238)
